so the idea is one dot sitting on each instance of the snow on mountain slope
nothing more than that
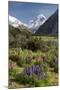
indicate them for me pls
(33, 25)
(37, 22)
(15, 22)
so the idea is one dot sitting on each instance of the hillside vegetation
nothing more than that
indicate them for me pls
(33, 60)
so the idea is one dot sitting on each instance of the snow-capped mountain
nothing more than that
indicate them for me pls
(50, 27)
(15, 22)
(37, 22)
(32, 25)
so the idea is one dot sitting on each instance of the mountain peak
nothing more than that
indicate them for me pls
(37, 22)
(41, 17)
(50, 27)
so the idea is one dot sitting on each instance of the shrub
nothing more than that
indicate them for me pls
(34, 70)
(25, 79)
(28, 59)
(54, 64)
(35, 44)
(12, 69)
(12, 73)
(14, 57)
(31, 75)
(21, 61)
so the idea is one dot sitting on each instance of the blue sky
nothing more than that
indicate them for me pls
(27, 11)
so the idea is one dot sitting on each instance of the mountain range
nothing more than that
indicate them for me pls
(38, 26)
(33, 24)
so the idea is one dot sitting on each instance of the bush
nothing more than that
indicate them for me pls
(12, 73)
(28, 59)
(35, 44)
(54, 64)
(53, 59)
(30, 75)
(21, 61)
(14, 57)
(25, 79)
(12, 69)
(31, 80)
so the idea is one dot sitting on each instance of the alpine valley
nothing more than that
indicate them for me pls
(39, 25)
(33, 51)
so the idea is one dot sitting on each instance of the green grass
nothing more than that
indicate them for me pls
(18, 54)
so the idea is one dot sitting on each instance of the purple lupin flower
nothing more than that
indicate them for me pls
(35, 69)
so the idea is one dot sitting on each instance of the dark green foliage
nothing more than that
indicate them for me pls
(28, 59)
(35, 44)
(12, 73)
(12, 69)
(27, 51)
(20, 61)
(24, 39)
(18, 36)
(21, 41)
(53, 59)
(25, 79)
(14, 57)
(54, 64)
